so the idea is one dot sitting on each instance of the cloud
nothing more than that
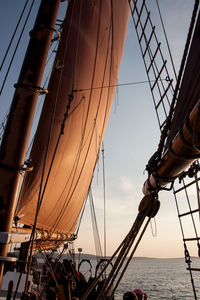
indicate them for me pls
(126, 184)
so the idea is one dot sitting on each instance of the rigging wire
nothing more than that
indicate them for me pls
(116, 97)
(165, 34)
(95, 227)
(104, 199)
(149, 210)
(150, 64)
(11, 40)
(81, 217)
(157, 155)
(119, 84)
(17, 45)
(39, 107)
(4, 120)
(187, 255)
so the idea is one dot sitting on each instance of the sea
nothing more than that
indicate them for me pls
(160, 279)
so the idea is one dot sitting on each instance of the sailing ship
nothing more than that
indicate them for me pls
(59, 168)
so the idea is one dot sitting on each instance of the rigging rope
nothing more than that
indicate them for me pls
(149, 207)
(165, 34)
(11, 40)
(95, 227)
(187, 256)
(81, 217)
(154, 65)
(104, 200)
(118, 85)
(17, 45)
(152, 163)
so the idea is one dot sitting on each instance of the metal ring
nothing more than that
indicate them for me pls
(46, 28)
(33, 87)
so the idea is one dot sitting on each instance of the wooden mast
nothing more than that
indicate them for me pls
(14, 144)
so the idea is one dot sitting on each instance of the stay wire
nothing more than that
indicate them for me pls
(12, 38)
(104, 199)
(81, 216)
(17, 45)
(166, 38)
(157, 155)
(117, 85)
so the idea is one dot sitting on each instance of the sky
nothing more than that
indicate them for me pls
(131, 138)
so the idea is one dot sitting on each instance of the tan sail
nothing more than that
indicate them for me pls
(88, 59)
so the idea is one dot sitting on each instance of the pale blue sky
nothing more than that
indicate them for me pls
(131, 138)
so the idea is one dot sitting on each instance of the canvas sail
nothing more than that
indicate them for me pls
(87, 60)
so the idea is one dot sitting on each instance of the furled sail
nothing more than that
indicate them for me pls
(86, 64)
(189, 93)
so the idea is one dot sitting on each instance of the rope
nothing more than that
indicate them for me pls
(104, 200)
(192, 217)
(11, 40)
(187, 256)
(151, 203)
(119, 84)
(81, 217)
(152, 163)
(56, 148)
(95, 227)
(154, 232)
(54, 268)
(13, 56)
(149, 207)
(129, 260)
(195, 143)
(168, 47)
(153, 65)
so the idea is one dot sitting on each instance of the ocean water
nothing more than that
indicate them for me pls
(160, 279)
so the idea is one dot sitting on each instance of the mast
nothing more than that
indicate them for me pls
(17, 132)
